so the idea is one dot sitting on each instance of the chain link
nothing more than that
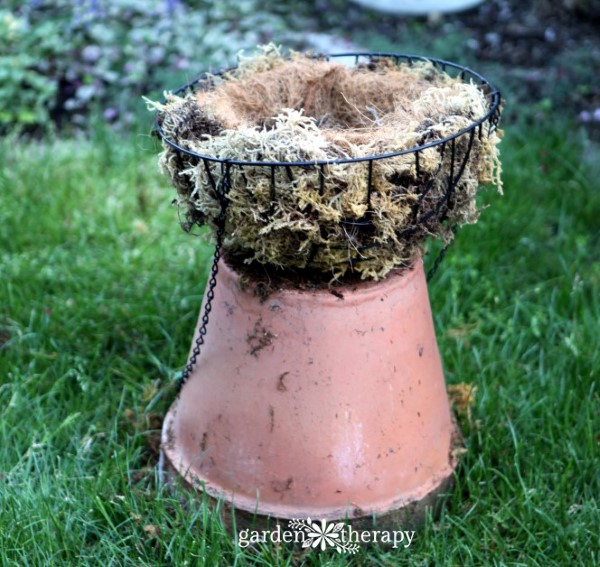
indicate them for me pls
(432, 271)
(210, 295)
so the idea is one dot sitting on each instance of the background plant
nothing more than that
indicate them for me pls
(60, 59)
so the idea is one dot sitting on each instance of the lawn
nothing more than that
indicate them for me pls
(99, 293)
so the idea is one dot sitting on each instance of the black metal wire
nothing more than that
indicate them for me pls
(210, 295)
(212, 280)
(439, 211)
(492, 115)
(438, 260)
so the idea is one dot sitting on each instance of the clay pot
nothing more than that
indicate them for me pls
(321, 404)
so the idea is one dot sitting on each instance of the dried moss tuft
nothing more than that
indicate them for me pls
(272, 109)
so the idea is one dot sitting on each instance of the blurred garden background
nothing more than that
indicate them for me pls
(100, 288)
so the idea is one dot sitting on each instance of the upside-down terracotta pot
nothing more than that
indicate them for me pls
(317, 404)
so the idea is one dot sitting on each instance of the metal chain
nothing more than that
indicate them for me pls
(210, 295)
(432, 271)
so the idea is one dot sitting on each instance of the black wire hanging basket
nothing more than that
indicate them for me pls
(220, 173)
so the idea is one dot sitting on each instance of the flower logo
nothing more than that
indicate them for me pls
(322, 534)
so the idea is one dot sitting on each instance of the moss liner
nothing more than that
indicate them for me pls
(365, 217)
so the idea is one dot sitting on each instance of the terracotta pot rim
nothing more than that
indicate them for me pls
(254, 506)
(340, 294)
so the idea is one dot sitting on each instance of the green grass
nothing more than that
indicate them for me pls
(99, 293)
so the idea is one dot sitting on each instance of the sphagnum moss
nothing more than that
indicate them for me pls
(273, 109)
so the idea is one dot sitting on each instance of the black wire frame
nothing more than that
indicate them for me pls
(491, 117)
(483, 125)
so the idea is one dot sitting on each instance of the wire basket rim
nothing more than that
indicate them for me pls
(494, 95)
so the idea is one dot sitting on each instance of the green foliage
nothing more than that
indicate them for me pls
(26, 93)
(61, 58)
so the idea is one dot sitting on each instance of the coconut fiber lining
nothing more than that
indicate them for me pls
(368, 217)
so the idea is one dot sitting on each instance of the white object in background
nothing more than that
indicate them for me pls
(418, 7)
(327, 43)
